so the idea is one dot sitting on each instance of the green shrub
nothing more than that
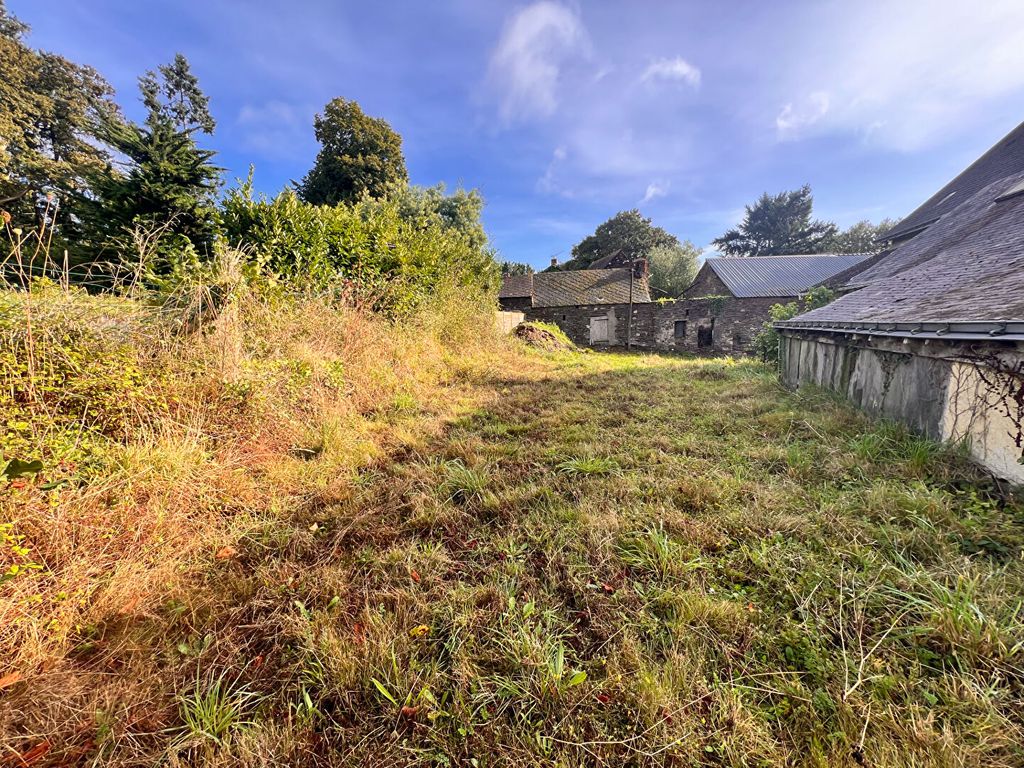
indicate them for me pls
(766, 343)
(382, 252)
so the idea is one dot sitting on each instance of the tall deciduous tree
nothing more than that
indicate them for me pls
(47, 107)
(629, 231)
(672, 268)
(778, 224)
(861, 237)
(359, 154)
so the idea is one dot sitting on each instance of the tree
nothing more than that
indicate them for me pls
(515, 268)
(47, 108)
(672, 268)
(459, 211)
(861, 237)
(174, 96)
(359, 154)
(164, 180)
(778, 224)
(628, 231)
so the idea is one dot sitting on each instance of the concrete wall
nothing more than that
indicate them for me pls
(507, 321)
(930, 385)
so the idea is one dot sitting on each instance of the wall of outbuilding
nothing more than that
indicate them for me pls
(733, 323)
(939, 388)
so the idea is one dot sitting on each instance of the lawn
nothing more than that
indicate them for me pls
(589, 559)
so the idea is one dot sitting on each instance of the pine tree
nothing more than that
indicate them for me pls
(166, 182)
(778, 225)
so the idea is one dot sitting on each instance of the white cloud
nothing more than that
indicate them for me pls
(672, 70)
(526, 65)
(904, 75)
(793, 119)
(654, 190)
(274, 128)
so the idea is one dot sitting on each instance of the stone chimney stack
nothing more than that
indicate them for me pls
(554, 261)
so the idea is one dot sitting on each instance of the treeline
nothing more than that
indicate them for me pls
(781, 224)
(77, 177)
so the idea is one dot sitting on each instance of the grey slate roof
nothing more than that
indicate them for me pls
(968, 267)
(614, 259)
(516, 287)
(587, 286)
(1003, 159)
(779, 275)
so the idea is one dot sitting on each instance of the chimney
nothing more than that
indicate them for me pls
(554, 261)
(640, 268)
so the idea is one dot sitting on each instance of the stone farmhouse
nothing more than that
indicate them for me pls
(931, 332)
(721, 312)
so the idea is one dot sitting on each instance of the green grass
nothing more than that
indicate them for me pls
(619, 560)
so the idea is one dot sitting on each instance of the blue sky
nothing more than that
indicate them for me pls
(562, 113)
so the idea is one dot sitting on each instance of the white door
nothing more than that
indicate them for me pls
(598, 330)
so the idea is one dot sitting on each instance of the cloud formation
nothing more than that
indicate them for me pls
(526, 65)
(654, 190)
(677, 70)
(793, 119)
(905, 78)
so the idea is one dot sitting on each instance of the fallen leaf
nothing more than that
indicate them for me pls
(34, 754)
(410, 712)
(9, 679)
(419, 631)
(131, 605)
(226, 553)
(415, 576)
(359, 632)
(608, 588)
(257, 662)
(604, 698)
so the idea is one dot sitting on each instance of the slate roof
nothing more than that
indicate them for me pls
(779, 275)
(966, 268)
(614, 259)
(516, 287)
(587, 286)
(1002, 160)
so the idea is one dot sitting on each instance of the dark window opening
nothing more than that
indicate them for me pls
(680, 329)
(704, 337)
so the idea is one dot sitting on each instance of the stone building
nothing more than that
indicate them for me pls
(719, 314)
(742, 290)
(932, 332)
(592, 306)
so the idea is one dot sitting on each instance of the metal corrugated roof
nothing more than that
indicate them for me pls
(587, 286)
(754, 276)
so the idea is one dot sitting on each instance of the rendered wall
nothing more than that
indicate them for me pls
(926, 385)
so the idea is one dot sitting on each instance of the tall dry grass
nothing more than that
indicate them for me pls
(169, 429)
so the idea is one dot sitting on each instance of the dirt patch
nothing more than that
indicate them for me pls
(541, 336)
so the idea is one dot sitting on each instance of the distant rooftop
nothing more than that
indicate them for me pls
(766, 276)
(576, 287)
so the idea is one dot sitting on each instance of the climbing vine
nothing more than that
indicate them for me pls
(1003, 381)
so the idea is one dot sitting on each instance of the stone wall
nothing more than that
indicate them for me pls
(712, 326)
(933, 386)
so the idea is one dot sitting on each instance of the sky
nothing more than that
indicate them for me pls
(562, 113)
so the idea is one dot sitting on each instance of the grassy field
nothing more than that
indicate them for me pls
(567, 559)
